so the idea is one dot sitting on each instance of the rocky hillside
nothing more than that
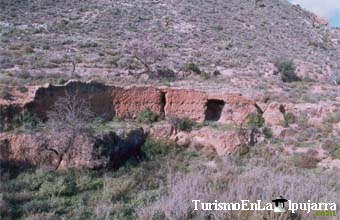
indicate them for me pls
(41, 38)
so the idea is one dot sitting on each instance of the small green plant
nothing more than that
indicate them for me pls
(267, 132)
(255, 120)
(23, 89)
(148, 116)
(5, 94)
(333, 148)
(336, 79)
(336, 152)
(182, 124)
(289, 118)
(205, 75)
(193, 67)
(88, 44)
(287, 69)
(26, 121)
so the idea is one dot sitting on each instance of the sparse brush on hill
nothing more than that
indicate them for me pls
(224, 33)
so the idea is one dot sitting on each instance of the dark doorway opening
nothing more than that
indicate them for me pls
(214, 109)
(162, 103)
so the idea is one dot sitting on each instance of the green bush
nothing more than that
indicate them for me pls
(36, 206)
(23, 89)
(5, 94)
(62, 185)
(205, 75)
(267, 132)
(148, 116)
(182, 124)
(287, 69)
(153, 148)
(193, 67)
(255, 120)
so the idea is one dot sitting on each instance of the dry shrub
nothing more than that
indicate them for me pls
(229, 183)
(307, 160)
(69, 118)
(146, 52)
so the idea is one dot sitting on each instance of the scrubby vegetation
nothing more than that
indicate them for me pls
(81, 194)
(255, 120)
(182, 124)
(333, 117)
(150, 188)
(193, 67)
(287, 69)
(289, 118)
(148, 116)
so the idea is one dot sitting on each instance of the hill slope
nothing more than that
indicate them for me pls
(45, 35)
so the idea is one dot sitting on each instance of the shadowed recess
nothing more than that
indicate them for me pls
(214, 110)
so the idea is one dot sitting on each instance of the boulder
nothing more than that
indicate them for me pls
(273, 114)
(162, 130)
(279, 131)
(222, 142)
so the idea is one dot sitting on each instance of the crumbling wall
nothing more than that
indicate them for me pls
(186, 103)
(128, 103)
(98, 96)
(108, 101)
(236, 108)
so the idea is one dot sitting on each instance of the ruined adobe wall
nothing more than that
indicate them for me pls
(236, 108)
(128, 103)
(98, 96)
(108, 101)
(186, 103)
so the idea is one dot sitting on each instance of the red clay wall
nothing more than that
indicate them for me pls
(128, 103)
(186, 103)
(236, 108)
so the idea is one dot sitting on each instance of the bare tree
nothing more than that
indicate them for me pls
(68, 118)
(146, 52)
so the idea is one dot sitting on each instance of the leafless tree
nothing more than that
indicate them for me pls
(68, 118)
(145, 52)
